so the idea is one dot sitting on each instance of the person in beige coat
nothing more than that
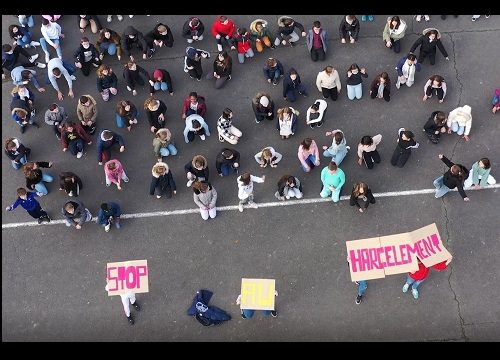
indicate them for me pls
(86, 111)
(328, 83)
(163, 145)
(460, 121)
(394, 31)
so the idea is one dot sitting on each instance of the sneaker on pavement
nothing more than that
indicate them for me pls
(33, 58)
(130, 319)
(41, 65)
(34, 43)
(253, 205)
(320, 124)
(405, 287)
(126, 179)
(47, 58)
(203, 137)
(356, 282)
(275, 82)
(415, 293)
(46, 219)
(107, 227)
(418, 18)
(189, 183)
(136, 305)
(274, 313)
(79, 155)
(40, 219)
(242, 314)
(158, 196)
(219, 47)
(359, 298)
(131, 16)
(73, 77)
(120, 18)
(363, 18)
(240, 207)
(109, 18)
(427, 18)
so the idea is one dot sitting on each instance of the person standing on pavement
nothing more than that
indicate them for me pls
(245, 189)
(127, 299)
(428, 42)
(27, 200)
(453, 178)
(108, 214)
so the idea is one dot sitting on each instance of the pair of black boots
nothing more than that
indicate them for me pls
(130, 318)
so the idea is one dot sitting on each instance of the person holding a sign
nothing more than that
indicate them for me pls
(248, 313)
(453, 178)
(333, 178)
(128, 299)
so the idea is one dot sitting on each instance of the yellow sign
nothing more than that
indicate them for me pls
(257, 294)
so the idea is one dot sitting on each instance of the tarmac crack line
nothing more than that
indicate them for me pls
(261, 205)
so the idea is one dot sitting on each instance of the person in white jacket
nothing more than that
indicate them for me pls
(460, 121)
(268, 156)
(328, 83)
(245, 189)
(51, 34)
(315, 113)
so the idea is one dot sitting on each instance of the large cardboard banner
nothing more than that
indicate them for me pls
(127, 277)
(257, 294)
(375, 258)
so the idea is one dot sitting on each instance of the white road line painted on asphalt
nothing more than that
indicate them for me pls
(261, 205)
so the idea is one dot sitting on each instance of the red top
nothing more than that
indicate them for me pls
(223, 29)
(317, 43)
(421, 273)
(440, 266)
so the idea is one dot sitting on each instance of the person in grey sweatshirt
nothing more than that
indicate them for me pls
(205, 196)
(76, 214)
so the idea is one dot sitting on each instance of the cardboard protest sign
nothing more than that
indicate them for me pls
(375, 258)
(127, 277)
(257, 294)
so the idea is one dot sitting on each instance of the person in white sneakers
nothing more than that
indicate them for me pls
(114, 172)
(475, 17)
(419, 18)
(52, 35)
(245, 189)
(73, 137)
(195, 125)
(109, 213)
(196, 170)
(460, 121)
(127, 299)
(316, 113)
(227, 131)
(22, 37)
(55, 69)
(10, 58)
(480, 176)
(110, 18)
(205, 196)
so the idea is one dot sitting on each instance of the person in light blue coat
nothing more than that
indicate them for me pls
(333, 178)
(338, 150)
(195, 125)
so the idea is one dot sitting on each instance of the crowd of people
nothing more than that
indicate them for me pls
(78, 132)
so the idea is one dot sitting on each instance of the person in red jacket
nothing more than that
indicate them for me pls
(416, 278)
(223, 28)
(243, 44)
(193, 104)
(73, 137)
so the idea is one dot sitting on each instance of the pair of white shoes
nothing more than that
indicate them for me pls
(419, 18)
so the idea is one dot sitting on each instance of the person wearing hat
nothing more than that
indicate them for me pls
(263, 107)
(192, 62)
(460, 121)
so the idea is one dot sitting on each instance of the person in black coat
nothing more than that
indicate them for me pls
(435, 126)
(361, 192)
(16, 152)
(70, 183)
(428, 42)
(86, 56)
(402, 153)
(292, 84)
(193, 30)
(159, 36)
(227, 161)
(155, 110)
(162, 182)
(192, 62)
(384, 80)
(263, 107)
(132, 75)
(453, 178)
(134, 38)
(349, 29)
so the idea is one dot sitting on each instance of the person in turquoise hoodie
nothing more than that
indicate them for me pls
(480, 176)
(333, 178)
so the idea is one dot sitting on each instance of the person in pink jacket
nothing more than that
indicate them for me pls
(308, 154)
(115, 173)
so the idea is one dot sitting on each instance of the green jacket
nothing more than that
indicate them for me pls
(259, 34)
(398, 34)
(479, 171)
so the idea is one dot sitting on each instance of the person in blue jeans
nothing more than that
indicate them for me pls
(453, 178)
(51, 35)
(362, 286)
(35, 178)
(109, 42)
(26, 20)
(227, 162)
(17, 152)
(273, 70)
(248, 313)
(109, 213)
(22, 36)
(126, 114)
(338, 150)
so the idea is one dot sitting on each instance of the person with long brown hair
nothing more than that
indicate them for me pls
(126, 114)
(223, 67)
(35, 178)
(205, 196)
(107, 82)
(435, 85)
(289, 186)
(361, 192)
(394, 31)
(381, 87)
(453, 178)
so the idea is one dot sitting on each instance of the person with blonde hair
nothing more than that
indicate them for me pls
(205, 196)
(162, 182)
(114, 172)
(268, 156)
(460, 121)
(163, 145)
